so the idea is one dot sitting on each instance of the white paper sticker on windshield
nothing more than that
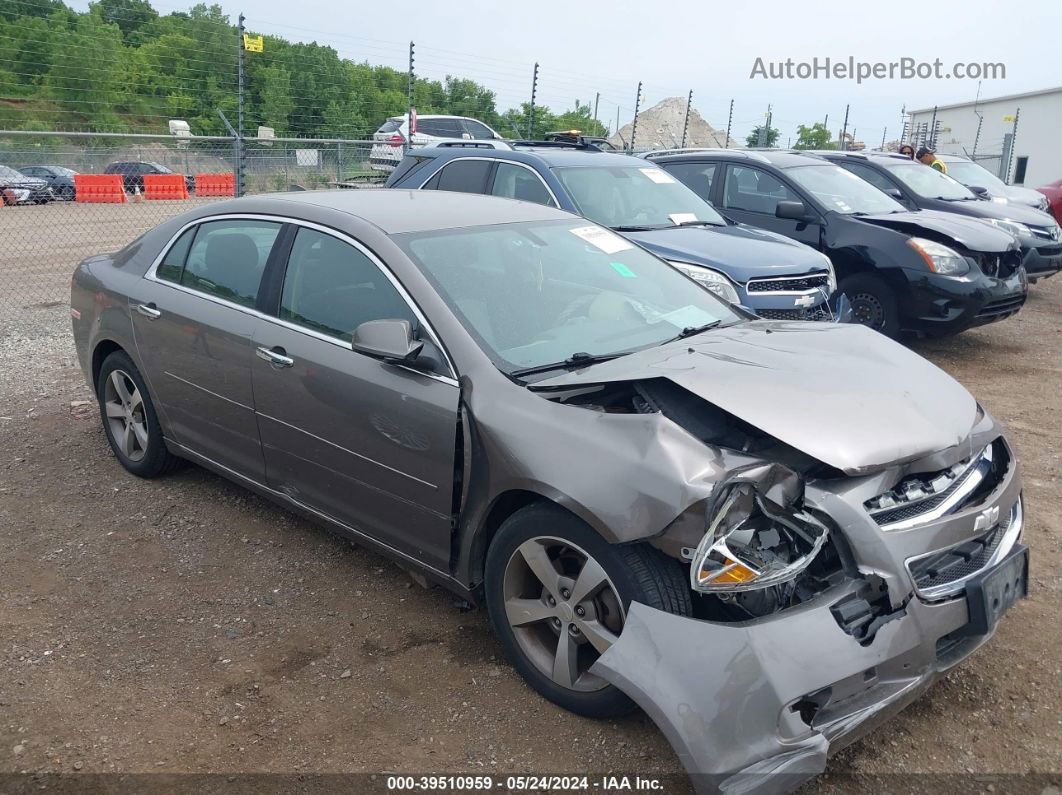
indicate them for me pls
(658, 175)
(683, 218)
(688, 317)
(607, 241)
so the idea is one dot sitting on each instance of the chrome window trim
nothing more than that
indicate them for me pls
(956, 587)
(152, 276)
(549, 190)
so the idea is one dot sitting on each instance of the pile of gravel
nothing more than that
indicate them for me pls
(660, 127)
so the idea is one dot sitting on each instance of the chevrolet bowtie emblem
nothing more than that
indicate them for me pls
(987, 518)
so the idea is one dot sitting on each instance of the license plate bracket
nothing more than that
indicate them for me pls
(990, 595)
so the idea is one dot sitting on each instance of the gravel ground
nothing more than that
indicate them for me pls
(186, 626)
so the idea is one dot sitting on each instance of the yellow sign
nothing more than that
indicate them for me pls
(1008, 118)
(252, 43)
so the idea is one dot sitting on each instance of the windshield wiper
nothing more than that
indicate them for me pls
(576, 360)
(691, 331)
(634, 228)
(698, 223)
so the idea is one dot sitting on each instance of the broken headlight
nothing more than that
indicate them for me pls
(758, 534)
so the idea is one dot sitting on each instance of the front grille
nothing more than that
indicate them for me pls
(1000, 266)
(1049, 251)
(934, 574)
(787, 284)
(997, 310)
(818, 313)
(931, 495)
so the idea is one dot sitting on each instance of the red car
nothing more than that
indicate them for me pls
(1053, 192)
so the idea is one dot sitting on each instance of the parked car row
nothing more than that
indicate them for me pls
(910, 249)
(42, 184)
(768, 534)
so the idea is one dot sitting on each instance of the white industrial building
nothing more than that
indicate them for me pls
(985, 130)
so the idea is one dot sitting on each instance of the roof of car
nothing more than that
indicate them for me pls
(953, 158)
(779, 158)
(545, 155)
(396, 211)
(873, 157)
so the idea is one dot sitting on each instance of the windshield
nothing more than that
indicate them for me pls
(10, 173)
(842, 191)
(972, 174)
(62, 171)
(635, 196)
(535, 293)
(161, 168)
(930, 183)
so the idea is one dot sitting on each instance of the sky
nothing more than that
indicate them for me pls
(586, 49)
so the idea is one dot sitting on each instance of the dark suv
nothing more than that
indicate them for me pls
(919, 188)
(922, 271)
(133, 172)
(776, 278)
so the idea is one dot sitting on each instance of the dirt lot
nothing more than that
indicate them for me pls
(186, 626)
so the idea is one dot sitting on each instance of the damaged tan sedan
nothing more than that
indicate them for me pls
(768, 535)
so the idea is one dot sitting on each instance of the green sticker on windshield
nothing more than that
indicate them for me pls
(623, 270)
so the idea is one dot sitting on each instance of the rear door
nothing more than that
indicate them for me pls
(369, 444)
(697, 176)
(750, 195)
(194, 319)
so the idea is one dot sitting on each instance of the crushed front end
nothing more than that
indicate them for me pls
(825, 603)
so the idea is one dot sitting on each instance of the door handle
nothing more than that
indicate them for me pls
(149, 311)
(275, 356)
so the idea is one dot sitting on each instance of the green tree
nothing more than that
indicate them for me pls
(277, 103)
(753, 138)
(85, 74)
(131, 16)
(814, 137)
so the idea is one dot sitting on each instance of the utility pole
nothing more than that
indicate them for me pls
(637, 107)
(597, 99)
(1013, 140)
(410, 110)
(238, 144)
(933, 126)
(729, 121)
(884, 132)
(531, 109)
(844, 130)
(977, 136)
(686, 123)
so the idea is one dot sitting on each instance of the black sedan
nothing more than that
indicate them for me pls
(59, 178)
(134, 171)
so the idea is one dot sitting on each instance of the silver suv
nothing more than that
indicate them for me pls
(393, 135)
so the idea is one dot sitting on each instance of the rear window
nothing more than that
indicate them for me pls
(389, 126)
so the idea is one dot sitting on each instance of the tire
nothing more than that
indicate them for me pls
(141, 449)
(873, 303)
(533, 645)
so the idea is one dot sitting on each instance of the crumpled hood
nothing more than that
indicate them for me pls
(970, 232)
(740, 251)
(843, 394)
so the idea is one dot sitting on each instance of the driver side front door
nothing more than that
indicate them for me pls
(751, 195)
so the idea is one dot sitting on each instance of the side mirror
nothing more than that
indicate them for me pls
(895, 193)
(390, 340)
(794, 211)
(980, 191)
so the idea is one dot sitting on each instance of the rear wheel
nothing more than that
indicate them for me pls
(873, 303)
(558, 595)
(129, 419)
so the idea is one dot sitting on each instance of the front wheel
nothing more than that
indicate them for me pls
(129, 419)
(873, 303)
(558, 595)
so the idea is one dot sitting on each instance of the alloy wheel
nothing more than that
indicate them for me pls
(563, 609)
(126, 415)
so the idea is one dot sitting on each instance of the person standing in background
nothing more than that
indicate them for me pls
(929, 157)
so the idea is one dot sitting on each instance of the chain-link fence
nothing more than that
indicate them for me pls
(45, 227)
